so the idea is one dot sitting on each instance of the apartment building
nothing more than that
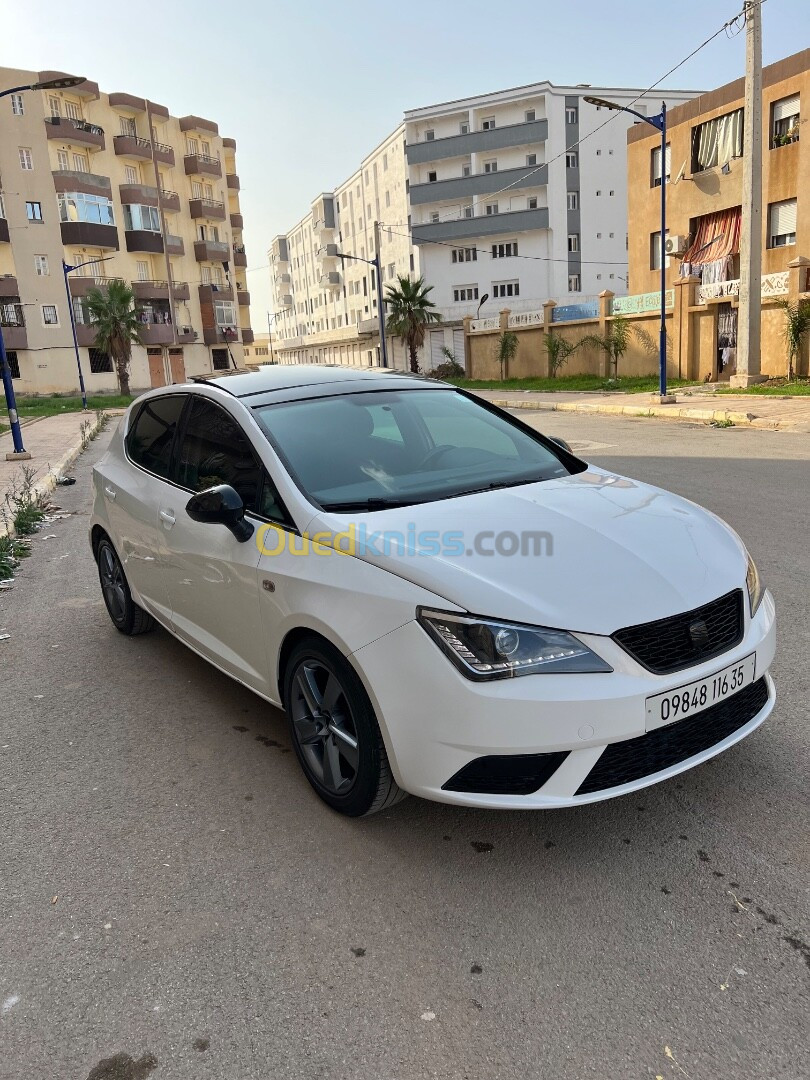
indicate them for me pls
(323, 289)
(703, 171)
(115, 182)
(521, 196)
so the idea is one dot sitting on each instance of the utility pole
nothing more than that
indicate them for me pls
(750, 300)
(380, 306)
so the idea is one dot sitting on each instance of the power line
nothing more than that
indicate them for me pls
(534, 258)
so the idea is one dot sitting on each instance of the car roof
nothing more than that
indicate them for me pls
(328, 378)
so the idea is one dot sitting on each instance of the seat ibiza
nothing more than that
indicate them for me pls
(443, 601)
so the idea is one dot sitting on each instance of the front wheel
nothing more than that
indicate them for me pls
(122, 609)
(335, 732)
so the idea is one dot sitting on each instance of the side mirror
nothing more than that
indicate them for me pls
(562, 443)
(220, 505)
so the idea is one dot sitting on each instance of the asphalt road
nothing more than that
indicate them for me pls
(177, 904)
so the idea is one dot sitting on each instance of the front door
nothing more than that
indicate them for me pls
(157, 374)
(178, 368)
(212, 578)
(726, 345)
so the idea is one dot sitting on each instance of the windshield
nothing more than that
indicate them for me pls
(373, 450)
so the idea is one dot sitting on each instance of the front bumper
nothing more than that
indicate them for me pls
(435, 722)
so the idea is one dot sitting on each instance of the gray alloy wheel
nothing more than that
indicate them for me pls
(334, 731)
(122, 609)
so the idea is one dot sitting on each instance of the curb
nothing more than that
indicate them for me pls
(663, 412)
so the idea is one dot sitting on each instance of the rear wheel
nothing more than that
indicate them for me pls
(335, 732)
(122, 609)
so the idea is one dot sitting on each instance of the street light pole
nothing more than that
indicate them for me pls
(20, 453)
(659, 122)
(67, 269)
(380, 311)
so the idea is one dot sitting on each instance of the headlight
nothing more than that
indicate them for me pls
(490, 649)
(755, 588)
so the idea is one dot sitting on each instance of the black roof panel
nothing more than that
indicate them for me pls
(294, 376)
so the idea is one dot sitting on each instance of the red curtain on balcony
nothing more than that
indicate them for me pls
(716, 237)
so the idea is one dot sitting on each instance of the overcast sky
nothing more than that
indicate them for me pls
(307, 87)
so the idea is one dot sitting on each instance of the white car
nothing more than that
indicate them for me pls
(444, 601)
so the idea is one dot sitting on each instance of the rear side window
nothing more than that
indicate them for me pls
(214, 450)
(150, 438)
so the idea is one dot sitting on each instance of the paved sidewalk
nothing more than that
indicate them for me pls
(748, 410)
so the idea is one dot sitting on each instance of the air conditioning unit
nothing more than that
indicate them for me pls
(676, 245)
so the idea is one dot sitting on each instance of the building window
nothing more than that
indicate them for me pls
(598, 236)
(573, 200)
(611, 192)
(531, 202)
(505, 251)
(13, 363)
(17, 105)
(26, 161)
(41, 265)
(33, 211)
(785, 121)
(782, 223)
(598, 193)
(100, 362)
(219, 359)
(76, 206)
(431, 180)
(717, 141)
(488, 124)
(573, 282)
(464, 128)
(141, 218)
(655, 251)
(466, 254)
(81, 163)
(529, 115)
(465, 293)
(50, 316)
(491, 208)
(571, 114)
(143, 270)
(192, 146)
(505, 288)
(73, 110)
(392, 269)
(468, 211)
(434, 217)
(573, 241)
(531, 159)
(598, 152)
(131, 175)
(430, 135)
(490, 166)
(571, 159)
(127, 125)
(385, 169)
(655, 165)
(387, 199)
(54, 105)
(62, 160)
(466, 169)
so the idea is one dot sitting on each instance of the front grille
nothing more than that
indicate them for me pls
(506, 774)
(624, 762)
(684, 640)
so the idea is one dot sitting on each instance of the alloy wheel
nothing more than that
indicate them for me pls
(324, 727)
(112, 583)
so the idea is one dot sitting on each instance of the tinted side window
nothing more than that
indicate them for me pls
(214, 450)
(150, 439)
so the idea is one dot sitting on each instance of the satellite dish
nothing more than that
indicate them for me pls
(681, 173)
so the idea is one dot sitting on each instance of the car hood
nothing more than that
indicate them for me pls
(612, 552)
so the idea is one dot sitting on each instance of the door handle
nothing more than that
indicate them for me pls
(109, 492)
(167, 517)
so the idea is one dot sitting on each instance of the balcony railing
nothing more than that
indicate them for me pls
(162, 148)
(79, 125)
(771, 285)
(12, 315)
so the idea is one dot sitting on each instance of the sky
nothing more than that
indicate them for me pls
(308, 88)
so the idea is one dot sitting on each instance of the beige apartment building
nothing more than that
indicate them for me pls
(326, 306)
(116, 182)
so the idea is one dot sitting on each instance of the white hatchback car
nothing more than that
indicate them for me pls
(444, 601)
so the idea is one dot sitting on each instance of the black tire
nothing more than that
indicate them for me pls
(126, 616)
(327, 710)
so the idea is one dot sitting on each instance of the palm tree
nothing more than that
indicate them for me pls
(507, 350)
(797, 325)
(410, 312)
(115, 321)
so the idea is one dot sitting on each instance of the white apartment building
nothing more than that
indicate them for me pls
(521, 195)
(326, 306)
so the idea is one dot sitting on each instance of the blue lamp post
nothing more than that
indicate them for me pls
(659, 122)
(8, 386)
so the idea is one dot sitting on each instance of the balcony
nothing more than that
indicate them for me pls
(186, 335)
(170, 201)
(279, 254)
(138, 193)
(477, 142)
(239, 256)
(85, 182)
(127, 102)
(85, 89)
(232, 180)
(284, 279)
(81, 286)
(175, 245)
(207, 293)
(330, 280)
(327, 251)
(144, 240)
(464, 187)
(243, 298)
(156, 333)
(237, 221)
(486, 225)
(164, 153)
(285, 300)
(159, 290)
(202, 165)
(211, 209)
(12, 320)
(78, 132)
(89, 234)
(216, 335)
(4, 238)
(247, 336)
(132, 146)
(196, 123)
(8, 286)
(211, 251)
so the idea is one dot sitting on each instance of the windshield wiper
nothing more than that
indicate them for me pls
(377, 503)
(496, 484)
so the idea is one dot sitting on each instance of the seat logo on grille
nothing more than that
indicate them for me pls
(699, 634)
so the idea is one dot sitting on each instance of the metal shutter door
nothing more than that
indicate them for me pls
(786, 108)
(783, 217)
(436, 344)
(458, 346)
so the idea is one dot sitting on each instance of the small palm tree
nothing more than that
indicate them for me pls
(507, 348)
(410, 312)
(615, 342)
(115, 321)
(558, 350)
(797, 325)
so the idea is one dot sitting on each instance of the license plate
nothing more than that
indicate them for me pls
(696, 696)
